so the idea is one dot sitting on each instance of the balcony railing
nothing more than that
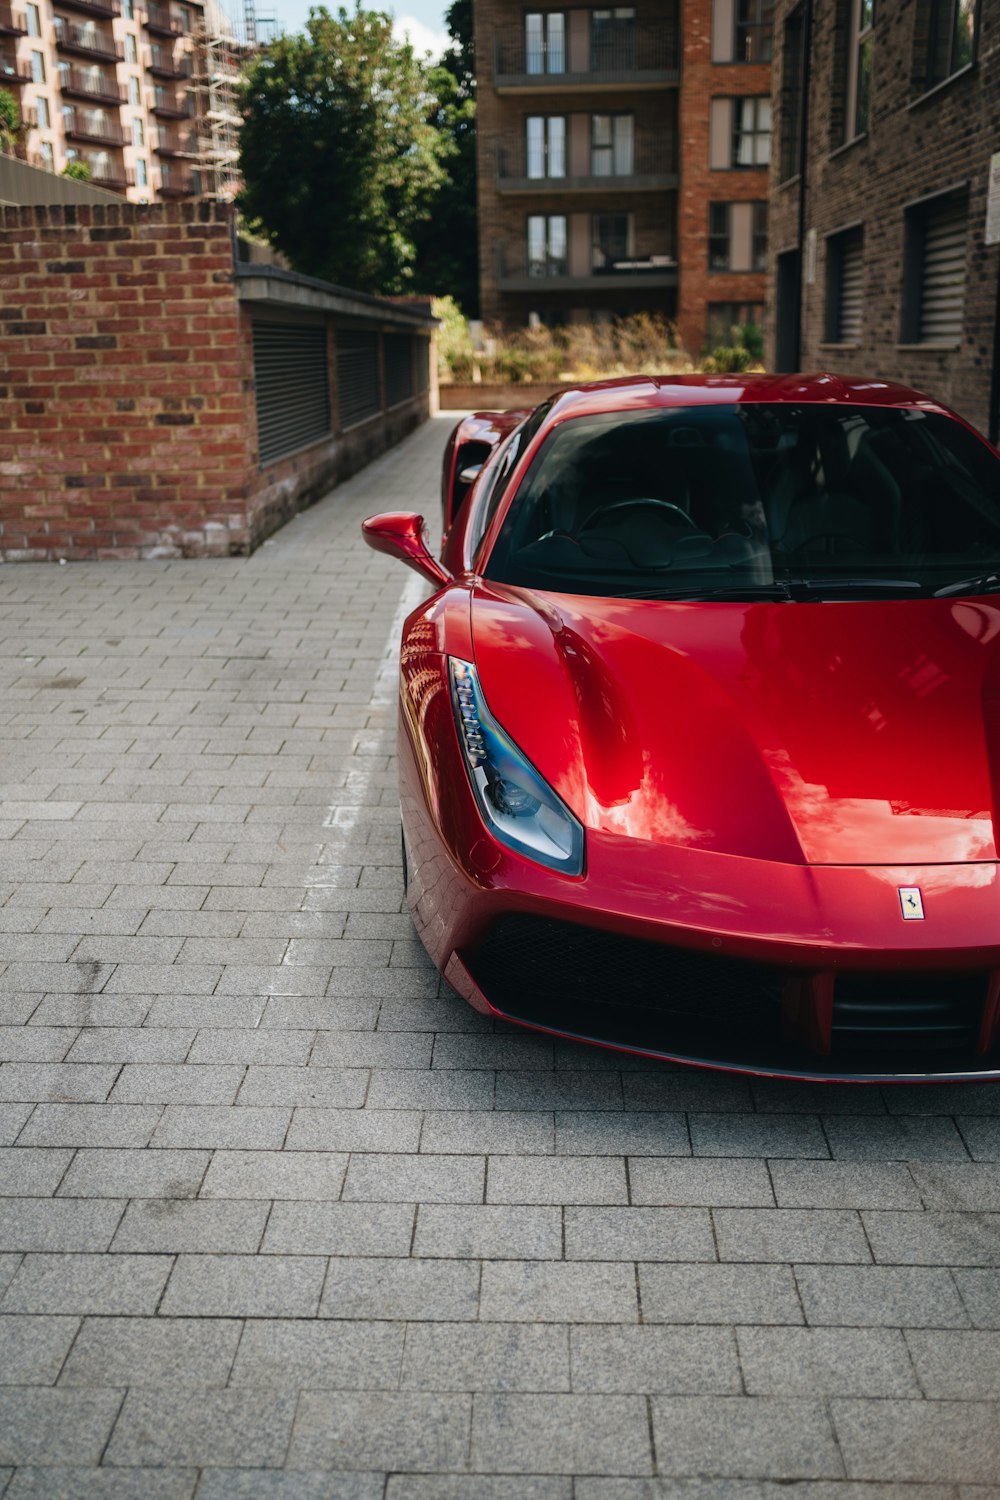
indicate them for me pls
(99, 90)
(87, 41)
(110, 175)
(635, 55)
(106, 9)
(516, 270)
(161, 23)
(163, 64)
(172, 108)
(181, 147)
(175, 184)
(12, 23)
(13, 73)
(92, 125)
(651, 163)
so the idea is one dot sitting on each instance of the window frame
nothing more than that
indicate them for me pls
(836, 244)
(545, 19)
(549, 259)
(736, 134)
(933, 78)
(546, 122)
(915, 219)
(860, 39)
(745, 32)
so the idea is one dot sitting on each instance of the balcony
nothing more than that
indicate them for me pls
(182, 148)
(175, 184)
(161, 23)
(643, 57)
(13, 73)
(650, 166)
(12, 23)
(515, 272)
(105, 9)
(87, 41)
(93, 126)
(163, 65)
(75, 85)
(171, 108)
(110, 175)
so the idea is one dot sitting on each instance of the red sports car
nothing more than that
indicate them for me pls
(700, 728)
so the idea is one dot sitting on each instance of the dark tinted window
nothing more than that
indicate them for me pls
(698, 498)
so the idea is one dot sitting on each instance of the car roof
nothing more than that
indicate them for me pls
(644, 391)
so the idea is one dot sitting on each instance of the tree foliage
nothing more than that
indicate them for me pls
(447, 256)
(339, 152)
(78, 170)
(10, 120)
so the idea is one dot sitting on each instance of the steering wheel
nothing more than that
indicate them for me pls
(665, 509)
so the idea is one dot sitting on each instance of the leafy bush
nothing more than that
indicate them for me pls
(744, 352)
(10, 120)
(78, 170)
(575, 352)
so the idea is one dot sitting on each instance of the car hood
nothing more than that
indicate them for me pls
(819, 733)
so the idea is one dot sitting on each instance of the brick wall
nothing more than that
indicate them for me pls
(127, 405)
(918, 142)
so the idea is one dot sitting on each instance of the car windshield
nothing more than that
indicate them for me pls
(756, 500)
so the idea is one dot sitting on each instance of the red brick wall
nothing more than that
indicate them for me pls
(125, 389)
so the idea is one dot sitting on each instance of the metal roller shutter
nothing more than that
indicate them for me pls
(293, 387)
(942, 289)
(357, 377)
(851, 288)
(398, 368)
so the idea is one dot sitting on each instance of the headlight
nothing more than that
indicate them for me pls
(520, 808)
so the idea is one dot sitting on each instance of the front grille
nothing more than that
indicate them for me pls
(628, 992)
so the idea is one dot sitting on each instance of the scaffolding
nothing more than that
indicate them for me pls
(223, 48)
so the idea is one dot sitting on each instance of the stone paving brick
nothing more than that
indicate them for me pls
(504, 1132)
(474, 1357)
(548, 1292)
(36, 1044)
(376, 1178)
(560, 1434)
(834, 1184)
(68, 1483)
(418, 1290)
(556, 1179)
(172, 1225)
(662, 1234)
(32, 1350)
(718, 1294)
(539, 1090)
(339, 1229)
(713, 1183)
(478, 1487)
(272, 1174)
(934, 1239)
(82, 1284)
(981, 1136)
(407, 1430)
(58, 1223)
(124, 1011)
(330, 1356)
(238, 1286)
(243, 1429)
(97, 1173)
(826, 1362)
(790, 1234)
(918, 1440)
(744, 1436)
(880, 1297)
(894, 1137)
(122, 1044)
(12, 1121)
(111, 1125)
(353, 1130)
(961, 1366)
(581, 1132)
(690, 1361)
(488, 1232)
(235, 1012)
(77, 1083)
(41, 1426)
(980, 1293)
(31, 1173)
(152, 1352)
(757, 1135)
(271, 1484)
(204, 1083)
(261, 1129)
(434, 1090)
(957, 1186)
(331, 1087)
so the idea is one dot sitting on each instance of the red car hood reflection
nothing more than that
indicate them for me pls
(817, 733)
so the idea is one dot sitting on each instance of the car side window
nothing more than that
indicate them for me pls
(497, 481)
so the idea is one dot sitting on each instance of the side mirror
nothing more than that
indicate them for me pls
(402, 534)
(470, 474)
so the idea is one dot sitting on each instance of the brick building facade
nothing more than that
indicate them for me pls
(160, 399)
(623, 162)
(885, 123)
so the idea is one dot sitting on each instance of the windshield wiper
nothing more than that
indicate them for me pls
(985, 583)
(790, 590)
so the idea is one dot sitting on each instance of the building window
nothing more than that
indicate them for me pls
(141, 174)
(45, 155)
(37, 68)
(611, 240)
(737, 236)
(861, 47)
(845, 286)
(133, 91)
(545, 42)
(138, 133)
(33, 19)
(723, 317)
(42, 109)
(612, 145)
(793, 68)
(546, 145)
(751, 141)
(183, 19)
(952, 29)
(934, 270)
(128, 10)
(754, 23)
(547, 253)
(612, 39)
(131, 53)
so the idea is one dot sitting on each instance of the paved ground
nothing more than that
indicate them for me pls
(282, 1219)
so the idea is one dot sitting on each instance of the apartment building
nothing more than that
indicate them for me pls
(140, 95)
(885, 231)
(623, 162)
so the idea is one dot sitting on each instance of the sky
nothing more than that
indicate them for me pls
(421, 20)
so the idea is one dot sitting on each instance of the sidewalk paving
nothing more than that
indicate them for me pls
(282, 1219)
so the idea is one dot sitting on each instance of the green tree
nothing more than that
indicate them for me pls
(78, 170)
(447, 242)
(10, 121)
(339, 157)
